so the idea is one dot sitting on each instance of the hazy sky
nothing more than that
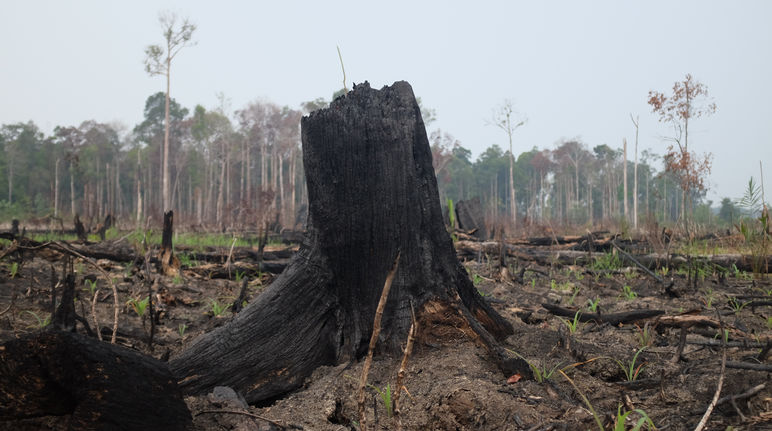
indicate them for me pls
(574, 68)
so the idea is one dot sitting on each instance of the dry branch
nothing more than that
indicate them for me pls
(704, 421)
(373, 341)
(612, 319)
(403, 369)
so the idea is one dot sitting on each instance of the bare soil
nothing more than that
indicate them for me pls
(451, 384)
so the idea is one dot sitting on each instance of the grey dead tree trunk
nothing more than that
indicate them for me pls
(372, 193)
(624, 175)
(635, 176)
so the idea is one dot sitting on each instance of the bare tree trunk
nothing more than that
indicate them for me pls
(248, 161)
(221, 193)
(635, 177)
(282, 200)
(624, 174)
(589, 202)
(292, 174)
(72, 190)
(139, 189)
(10, 182)
(166, 205)
(56, 188)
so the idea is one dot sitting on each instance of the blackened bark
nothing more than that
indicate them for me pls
(102, 386)
(65, 316)
(168, 263)
(107, 224)
(371, 192)
(80, 231)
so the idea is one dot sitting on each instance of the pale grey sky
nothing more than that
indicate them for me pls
(574, 68)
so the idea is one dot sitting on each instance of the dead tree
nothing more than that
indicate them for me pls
(372, 192)
(80, 231)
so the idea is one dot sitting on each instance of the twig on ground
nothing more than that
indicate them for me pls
(252, 415)
(230, 254)
(748, 366)
(403, 368)
(373, 341)
(635, 261)
(93, 311)
(747, 394)
(714, 402)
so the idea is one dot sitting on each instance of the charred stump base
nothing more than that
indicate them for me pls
(168, 263)
(372, 192)
(101, 386)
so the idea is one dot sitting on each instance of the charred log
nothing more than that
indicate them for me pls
(101, 386)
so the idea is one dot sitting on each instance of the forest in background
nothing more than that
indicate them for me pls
(242, 170)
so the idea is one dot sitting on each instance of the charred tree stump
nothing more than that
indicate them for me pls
(80, 231)
(372, 192)
(65, 315)
(168, 263)
(15, 227)
(470, 218)
(102, 228)
(102, 386)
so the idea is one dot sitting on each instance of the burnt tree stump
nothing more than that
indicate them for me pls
(470, 217)
(168, 263)
(101, 386)
(80, 231)
(372, 192)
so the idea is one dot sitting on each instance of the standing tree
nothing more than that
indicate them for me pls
(635, 175)
(689, 100)
(502, 118)
(372, 194)
(158, 61)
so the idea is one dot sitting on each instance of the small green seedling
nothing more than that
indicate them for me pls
(540, 374)
(240, 275)
(644, 335)
(476, 279)
(139, 306)
(181, 329)
(14, 269)
(631, 371)
(385, 395)
(736, 305)
(217, 308)
(573, 297)
(42, 323)
(573, 324)
(592, 305)
(709, 297)
(619, 422)
(628, 293)
(92, 285)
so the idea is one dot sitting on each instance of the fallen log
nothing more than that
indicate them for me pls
(612, 319)
(652, 261)
(102, 386)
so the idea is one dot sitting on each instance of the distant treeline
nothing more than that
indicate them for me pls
(246, 169)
